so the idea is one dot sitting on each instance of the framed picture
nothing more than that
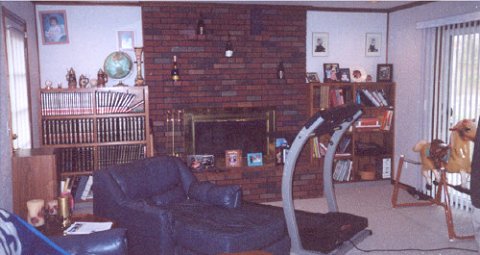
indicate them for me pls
(200, 162)
(312, 77)
(320, 44)
(54, 27)
(255, 159)
(344, 75)
(373, 43)
(330, 71)
(125, 40)
(233, 158)
(384, 72)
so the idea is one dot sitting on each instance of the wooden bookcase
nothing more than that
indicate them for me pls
(366, 150)
(92, 128)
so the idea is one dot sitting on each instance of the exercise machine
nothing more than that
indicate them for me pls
(317, 233)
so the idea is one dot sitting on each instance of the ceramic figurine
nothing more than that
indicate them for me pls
(102, 78)
(71, 78)
(83, 81)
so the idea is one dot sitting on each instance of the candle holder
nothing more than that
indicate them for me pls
(139, 81)
(64, 210)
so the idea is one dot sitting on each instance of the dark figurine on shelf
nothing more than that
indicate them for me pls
(71, 78)
(102, 78)
(83, 81)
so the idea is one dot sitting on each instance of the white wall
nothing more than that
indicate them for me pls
(347, 32)
(405, 52)
(92, 37)
(24, 10)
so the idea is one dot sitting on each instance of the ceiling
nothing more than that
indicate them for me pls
(372, 4)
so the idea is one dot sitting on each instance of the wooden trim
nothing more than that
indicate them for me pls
(340, 9)
(80, 3)
(7, 14)
(409, 5)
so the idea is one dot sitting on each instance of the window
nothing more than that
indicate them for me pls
(15, 31)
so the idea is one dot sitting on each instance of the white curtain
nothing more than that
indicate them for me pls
(451, 82)
(18, 87)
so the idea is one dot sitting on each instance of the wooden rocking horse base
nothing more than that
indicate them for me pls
(442, 186)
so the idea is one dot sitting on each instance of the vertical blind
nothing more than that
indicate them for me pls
(452, 67)
(18, 87)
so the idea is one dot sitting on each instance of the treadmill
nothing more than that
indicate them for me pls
(317, 233)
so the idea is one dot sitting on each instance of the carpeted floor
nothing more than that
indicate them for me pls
(396, 229)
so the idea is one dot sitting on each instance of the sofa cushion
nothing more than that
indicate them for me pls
(145, 178)
(226, 196)
(173, 195)
(212, 230)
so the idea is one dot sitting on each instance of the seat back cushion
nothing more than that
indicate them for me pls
(229, 196)
(155, 179)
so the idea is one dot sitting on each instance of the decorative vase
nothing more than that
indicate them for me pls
(139, 81)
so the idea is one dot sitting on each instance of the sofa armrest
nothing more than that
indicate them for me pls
(229, 196)
(109, 242)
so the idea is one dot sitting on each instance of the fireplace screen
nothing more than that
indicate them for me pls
(213, 131)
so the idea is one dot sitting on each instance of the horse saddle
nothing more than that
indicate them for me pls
(438, 152)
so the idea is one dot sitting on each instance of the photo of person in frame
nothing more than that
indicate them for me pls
(54, 29)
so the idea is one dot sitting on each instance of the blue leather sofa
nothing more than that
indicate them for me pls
(168, 211)
(19, 237)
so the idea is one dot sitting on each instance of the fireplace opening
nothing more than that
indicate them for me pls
(213, 131)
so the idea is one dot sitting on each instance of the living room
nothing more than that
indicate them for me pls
(262, 35)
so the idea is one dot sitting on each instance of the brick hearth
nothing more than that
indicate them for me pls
(262, 37)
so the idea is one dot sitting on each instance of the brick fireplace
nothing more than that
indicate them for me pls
(262, 36)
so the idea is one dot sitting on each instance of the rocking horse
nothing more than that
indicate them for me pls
(438, 158)
(453, 157)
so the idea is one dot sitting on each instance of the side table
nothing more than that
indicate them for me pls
(54, 228)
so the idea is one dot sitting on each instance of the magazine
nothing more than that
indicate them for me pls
(82, 228)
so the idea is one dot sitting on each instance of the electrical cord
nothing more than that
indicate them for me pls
(413, 249)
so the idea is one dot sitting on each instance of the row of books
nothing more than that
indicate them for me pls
(121, 129)
(372, 97)
(343, 170)
(71, 131)
(120, 154)
(383, 122)
(66, 103)
(320, 149)
(75, 159)
(116, 102)
(80, 187)
(79, 103)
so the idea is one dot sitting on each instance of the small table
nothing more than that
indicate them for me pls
(54, 227)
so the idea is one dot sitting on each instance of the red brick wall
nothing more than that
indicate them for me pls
(261, 35)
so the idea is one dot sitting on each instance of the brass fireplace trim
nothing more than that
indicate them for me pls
(193, 116)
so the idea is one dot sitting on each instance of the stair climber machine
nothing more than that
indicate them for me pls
(318, 233)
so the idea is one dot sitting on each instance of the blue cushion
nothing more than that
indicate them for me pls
(173, 195)
(226, 196)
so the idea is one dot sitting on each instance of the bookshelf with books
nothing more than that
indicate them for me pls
(369, 142)
(92, 128)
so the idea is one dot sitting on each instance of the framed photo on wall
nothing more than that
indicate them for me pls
(320, 44)
(54, 27)
(384, 72)
(125, 40)
(233, 158)
(373, 44)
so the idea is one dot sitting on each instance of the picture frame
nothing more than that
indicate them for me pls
(312, 77)
(255, 159)
(233, 158)
(330, 71)
(200, 162)
(54, 27)
(373, 44)
(320, 44)
(384, 72)
(125, 40)
(344, 75)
